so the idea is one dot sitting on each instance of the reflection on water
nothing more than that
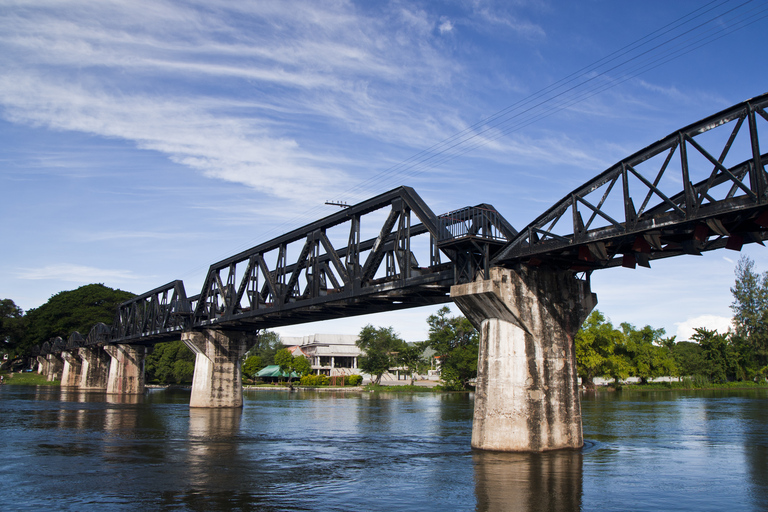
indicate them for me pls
(67, 449)
(524, 482)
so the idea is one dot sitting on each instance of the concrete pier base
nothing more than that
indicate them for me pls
(126, 369)
(527, 395)
(95, 372)
(55, 367)
(70, 376)
(42, 365)
(217, 381)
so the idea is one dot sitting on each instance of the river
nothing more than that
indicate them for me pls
(335, 451)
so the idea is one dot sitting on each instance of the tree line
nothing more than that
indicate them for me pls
(741, 354)
(64, 313)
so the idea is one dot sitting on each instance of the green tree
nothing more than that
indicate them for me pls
(750, 315)
(267, 345)
(411, 357)
(456, 342)
(689, 359)
(164, 364)
(12, 326)
(252, 365)
(183, 371)
(718, 355)
(301, 365)
(649, 352)
(595, 344)
(286, 361)
(76, 310)
(380, 346)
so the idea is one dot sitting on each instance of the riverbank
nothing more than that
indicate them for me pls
(369, 388)
(684, 385)
(28, 379)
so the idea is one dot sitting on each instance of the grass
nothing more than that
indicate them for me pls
(692, 384)
(28, 379)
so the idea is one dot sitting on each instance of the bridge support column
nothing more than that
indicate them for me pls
(55, 367)
(527, 395)
(126, 370)
(70, 376)
(42, 365)
(217, 381)
(95, 371)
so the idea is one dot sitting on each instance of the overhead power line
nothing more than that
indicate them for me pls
(700, 27)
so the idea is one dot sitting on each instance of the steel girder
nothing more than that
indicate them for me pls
(266, 287)
(700, 188)
(74, 341)
(99, 335)
(53, 346)
(154, 316)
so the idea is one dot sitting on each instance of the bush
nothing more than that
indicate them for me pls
(314, 380)
(355, 380)
(701, 381)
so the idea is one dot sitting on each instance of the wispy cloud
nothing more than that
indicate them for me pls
(137, 235)
(153, 73)
(74, 273)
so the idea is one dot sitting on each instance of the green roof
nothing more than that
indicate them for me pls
(273, 370)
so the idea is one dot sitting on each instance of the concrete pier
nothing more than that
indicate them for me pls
(527, 396)
(217, 381)
(95, 371)
(126, 369)
(42, 365)
(71, 375)
(55, 367)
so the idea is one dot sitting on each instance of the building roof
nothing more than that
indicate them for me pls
(325, 339)
(325, 344)
(273, 370)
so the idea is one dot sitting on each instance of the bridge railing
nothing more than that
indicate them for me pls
(155, 314)
(482, 221)
(471, 237)
(700, 188)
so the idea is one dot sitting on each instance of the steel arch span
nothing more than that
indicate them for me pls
(700, 188)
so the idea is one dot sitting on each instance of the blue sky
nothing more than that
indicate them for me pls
(145, 140)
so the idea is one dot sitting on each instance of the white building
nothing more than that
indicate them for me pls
(329, 354)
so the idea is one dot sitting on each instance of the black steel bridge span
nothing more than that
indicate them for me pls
(701, 188)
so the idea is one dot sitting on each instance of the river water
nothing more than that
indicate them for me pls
(338, 451)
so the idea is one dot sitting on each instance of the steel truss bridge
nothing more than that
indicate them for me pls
(700, 188)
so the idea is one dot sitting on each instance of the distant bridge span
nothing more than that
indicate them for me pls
(701, 188)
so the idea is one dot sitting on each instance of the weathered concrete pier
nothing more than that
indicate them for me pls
(95, 372)
(126, 370)
(527, 395)
(217, 381)
(71, 375)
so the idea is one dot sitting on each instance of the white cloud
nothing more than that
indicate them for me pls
(712, 322)
(156, 73)
(445, 26)
(220, 146)
(74, 273)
